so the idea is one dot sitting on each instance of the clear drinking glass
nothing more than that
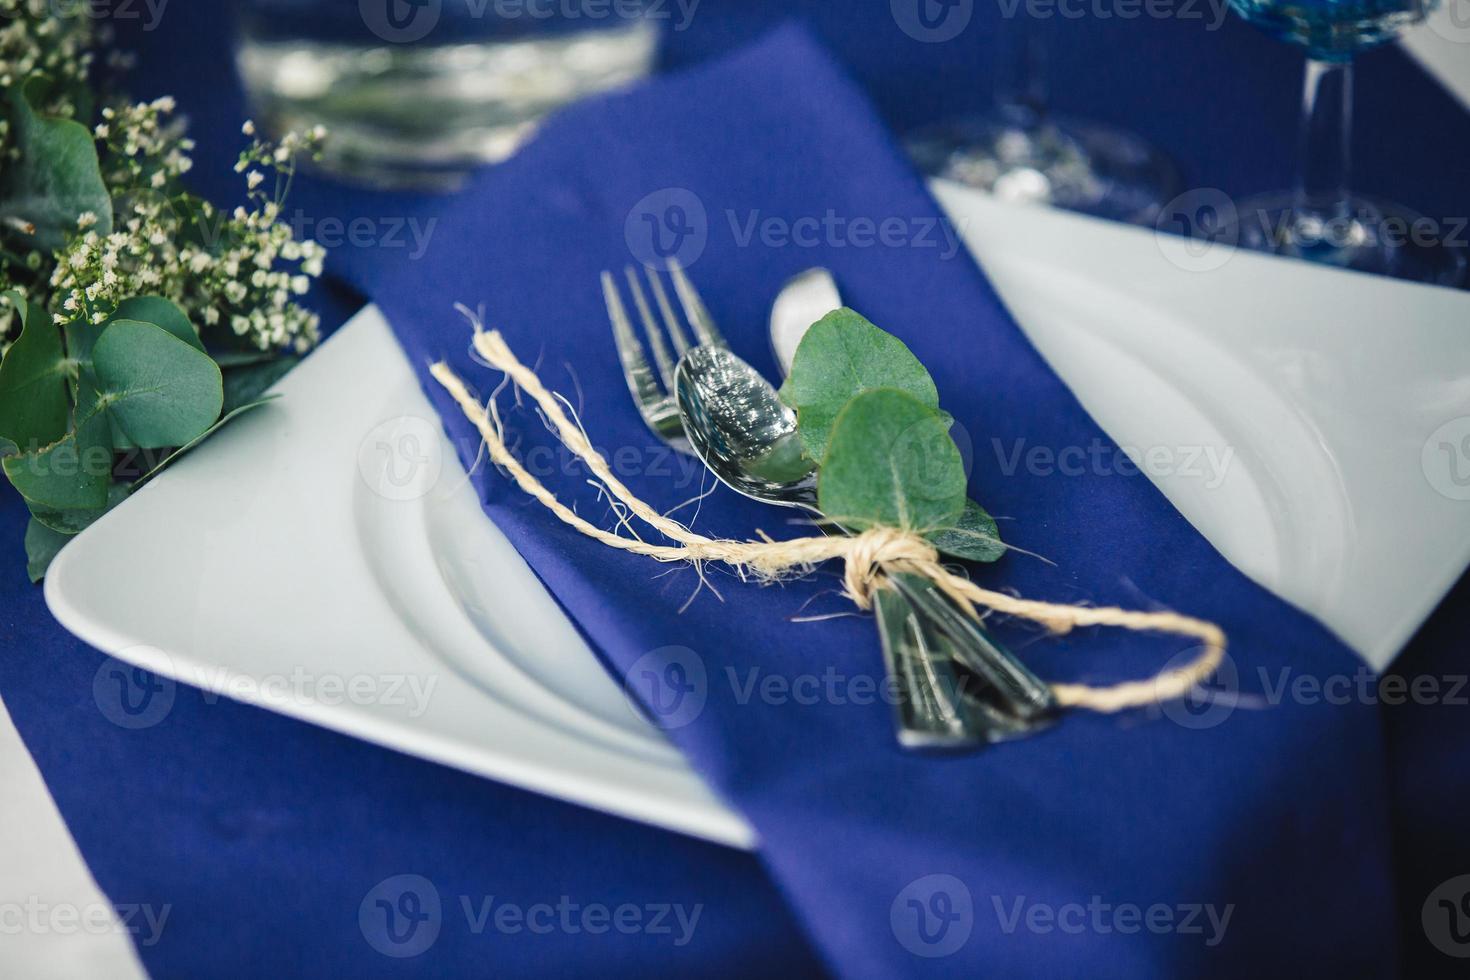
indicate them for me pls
(1320, 219)
(418, 92)
(1021, 152)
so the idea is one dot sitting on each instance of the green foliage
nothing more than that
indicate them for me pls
(841, 356)
(160, 391)
(33, 405)
(161, 312)
(55, 181)
(42, 545)
(245, 384)
(891, 461)
(71, 473)
(141, 379)
(973, 536)
(868, 412)
(108, 355)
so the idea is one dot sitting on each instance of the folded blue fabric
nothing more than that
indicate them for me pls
(1155, 843)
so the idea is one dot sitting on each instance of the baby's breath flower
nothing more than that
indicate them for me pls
(237, 270)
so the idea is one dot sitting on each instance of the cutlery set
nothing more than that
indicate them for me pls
(954, 686)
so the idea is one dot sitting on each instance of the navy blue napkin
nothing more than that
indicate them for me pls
(1157, 842)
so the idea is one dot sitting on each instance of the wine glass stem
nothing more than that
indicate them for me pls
(1325, 139)
(1021, 89)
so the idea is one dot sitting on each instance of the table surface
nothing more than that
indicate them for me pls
(42, 874)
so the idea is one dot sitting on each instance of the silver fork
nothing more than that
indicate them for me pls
(657, 405)
(920, 651)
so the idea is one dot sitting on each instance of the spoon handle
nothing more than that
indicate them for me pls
(936, 705)
(929, 709)
(1009, 687)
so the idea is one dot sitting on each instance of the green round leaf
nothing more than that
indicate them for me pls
(841, 356)
(159, 390)
(973, 536)
(891, 461)
(70, 474)
(246, 383)
(159, 312)
(42, 545)
(56, 178)
(76, 521)
(33, 404)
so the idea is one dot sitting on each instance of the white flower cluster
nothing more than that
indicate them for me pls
(240, 270)
(34, 39)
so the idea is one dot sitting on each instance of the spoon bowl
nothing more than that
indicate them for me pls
(741, 429)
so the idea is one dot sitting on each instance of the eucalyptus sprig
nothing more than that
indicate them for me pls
(868, 413)
(135, 318)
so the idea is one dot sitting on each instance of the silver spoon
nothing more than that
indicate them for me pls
(747, 437)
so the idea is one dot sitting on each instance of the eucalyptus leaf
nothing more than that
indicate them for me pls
(841, 356)
(159, 312)
(159, 390)
(70, 474)
(891, 461)
(973, 536)
(240, 410)
(243, 358)
(56, 179)
(82, 336)
(33, 403)
(76, 521)
(42, 545)
(246, 383)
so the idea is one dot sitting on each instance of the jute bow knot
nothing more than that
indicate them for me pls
(876, 550)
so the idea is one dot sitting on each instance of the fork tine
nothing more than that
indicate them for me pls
(666, 311)
(651, 328)
(694, 311)
(636, 371)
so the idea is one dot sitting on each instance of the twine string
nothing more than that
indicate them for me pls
(868, 557)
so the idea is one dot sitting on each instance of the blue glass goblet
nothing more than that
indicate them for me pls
(1320, 219)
